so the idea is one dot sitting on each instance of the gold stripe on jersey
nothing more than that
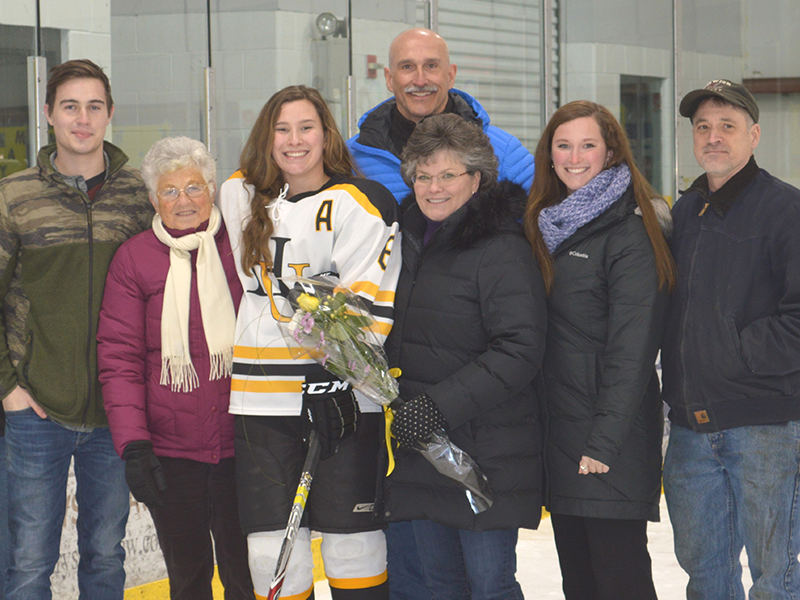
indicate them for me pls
(359, 197)
(372, 290)
(386, 296)
(279, 353)
(366, 287)
(255, 353)
(267, 386)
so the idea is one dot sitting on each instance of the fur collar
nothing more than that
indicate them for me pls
(663, 214)
(495, 209)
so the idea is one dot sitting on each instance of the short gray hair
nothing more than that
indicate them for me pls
(174, 153)
(450, 133)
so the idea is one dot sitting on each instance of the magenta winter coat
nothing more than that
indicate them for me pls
(194, 425)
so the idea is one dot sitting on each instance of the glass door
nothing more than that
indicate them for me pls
(621, 56)
(258, 49)
(333, 46)
(159, 56)
(20, 43)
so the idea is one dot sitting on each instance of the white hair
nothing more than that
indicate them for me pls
(174, 153)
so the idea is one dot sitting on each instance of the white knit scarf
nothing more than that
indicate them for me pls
(216, 306)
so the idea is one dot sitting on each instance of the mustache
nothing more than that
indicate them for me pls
(420, 89)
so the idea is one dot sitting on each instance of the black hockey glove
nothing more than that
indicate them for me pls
(416, 419)
(143, 473)
(330, 408)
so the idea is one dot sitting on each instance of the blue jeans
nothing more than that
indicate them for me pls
(733, 489)
(4, 542)
(405, 571)
(38, 458)
(459, 564)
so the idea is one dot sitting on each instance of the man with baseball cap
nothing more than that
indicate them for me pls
(731, 360)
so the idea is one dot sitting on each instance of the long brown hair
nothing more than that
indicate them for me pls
(548, 189)
(260, 171)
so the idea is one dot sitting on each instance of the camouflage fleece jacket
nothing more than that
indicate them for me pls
(55, 248)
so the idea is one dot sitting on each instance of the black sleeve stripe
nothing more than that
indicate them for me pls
(272, 369)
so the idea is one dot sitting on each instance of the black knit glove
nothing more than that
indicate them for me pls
(143, 473)
(416, 419)
(330, 408)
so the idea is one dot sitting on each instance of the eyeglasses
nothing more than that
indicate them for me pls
(192, 190)
(443, 179)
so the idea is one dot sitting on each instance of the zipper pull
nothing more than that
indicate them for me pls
(702, 212)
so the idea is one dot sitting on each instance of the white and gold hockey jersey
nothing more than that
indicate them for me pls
(349, 227)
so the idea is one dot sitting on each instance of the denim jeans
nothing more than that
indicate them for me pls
(733, 489)
(38, 458)
(459, 564)
(4, 542)
(405, 571)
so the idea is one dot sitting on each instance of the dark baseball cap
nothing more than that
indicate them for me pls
(735, 93)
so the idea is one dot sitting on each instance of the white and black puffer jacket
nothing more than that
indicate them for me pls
(469, 332)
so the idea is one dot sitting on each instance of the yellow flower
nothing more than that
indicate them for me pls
(308, 303)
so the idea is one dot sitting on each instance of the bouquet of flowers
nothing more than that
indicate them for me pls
(331, 325)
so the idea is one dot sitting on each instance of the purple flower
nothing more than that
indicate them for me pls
(307, 323)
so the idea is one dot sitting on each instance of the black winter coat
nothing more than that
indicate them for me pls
(605, 323)
(469, 331)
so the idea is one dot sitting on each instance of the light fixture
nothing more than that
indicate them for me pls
(327, 24)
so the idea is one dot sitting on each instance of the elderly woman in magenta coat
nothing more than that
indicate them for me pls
(165, 344)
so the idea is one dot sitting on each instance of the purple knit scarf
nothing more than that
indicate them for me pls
(558, 222)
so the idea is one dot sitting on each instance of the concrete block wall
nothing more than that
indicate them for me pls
(18, 12)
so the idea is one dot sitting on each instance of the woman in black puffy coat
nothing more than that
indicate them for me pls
(595, 225)
(469, 338)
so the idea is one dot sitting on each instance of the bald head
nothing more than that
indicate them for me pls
(419, 73)
(418, 37)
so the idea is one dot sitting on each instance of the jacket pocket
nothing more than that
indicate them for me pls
(736, 345)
